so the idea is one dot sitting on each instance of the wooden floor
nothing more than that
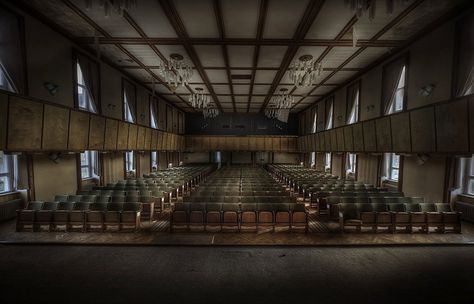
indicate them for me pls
(321, 232)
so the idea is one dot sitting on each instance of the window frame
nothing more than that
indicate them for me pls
(314, 127)
(356, 106)
(153, 105)
(127, 162)
(329, 114)
(92, 164)
(11, 167)
(75, 64)
(327, 161)
(151, 160)
(389, 167)
(124, 98)
(406, 62)
(351, 163)
(469, 177)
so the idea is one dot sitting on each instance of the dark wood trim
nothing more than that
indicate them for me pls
(447, 178)
(137, 157)
(124, 158)
(78, 172)
(101, 168)
(400, 173)
(31, 177)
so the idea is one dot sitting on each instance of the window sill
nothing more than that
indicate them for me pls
(466, 198)
(90, 179)
(9, 193)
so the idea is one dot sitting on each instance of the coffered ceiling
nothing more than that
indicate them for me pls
(240, 50)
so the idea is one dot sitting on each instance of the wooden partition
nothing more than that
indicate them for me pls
(198, 143)
(444, 127)
(28, 124)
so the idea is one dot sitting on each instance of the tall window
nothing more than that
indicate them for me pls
(464, 65)
(130, 162)
(391, 166)
(84, 97)
(8, 169)
(127, 111)
(313, 159)
(154, 160)
(353, 96)
(351, 163)
(315, 119)
(396, 103)
(329, 113)
(327, 162)
(89, 164)
(129, 101)
(469, 176)
(5, 82)
(153, 114)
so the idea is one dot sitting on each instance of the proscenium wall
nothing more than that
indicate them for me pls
(239, 124)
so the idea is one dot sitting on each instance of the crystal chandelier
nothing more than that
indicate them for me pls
(305, 70)
(176, 71)
(118, 5)
(283, 100)
(210, 112)
(199, 100)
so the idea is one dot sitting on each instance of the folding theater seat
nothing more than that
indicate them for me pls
(434, 218)
(61, 198)
(89, 198)
(26, 217)
(400, 217)
(415, 200)
(130, 216)
(348, 217)
(248, 216)
(77, 216)
(103, 199)
(44, 216)
(74, 198)
(148, 207)
(230, 216)
(95, 216)
(451, 219)
(265, 215)
(417, 217)
(118, 199)
(367, 215)
(196, 215)
(179, 216)
(299, 217)
(213, 215)
(112, 215)
(383, 216)
(61, 215)
(282, 215)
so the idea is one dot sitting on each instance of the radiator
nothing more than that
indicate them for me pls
(8, 209)
(466, 209)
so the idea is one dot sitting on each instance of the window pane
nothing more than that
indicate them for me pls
(5, 82)
(3, 163)
(401, 80)
(471, 187)
(394, 174)
(395, 161)
(398, 103)
(128, 113)
(85, 172)
(4, 184)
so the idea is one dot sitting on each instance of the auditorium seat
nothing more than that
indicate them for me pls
(112, 215)
(213, 215)
(77, 216)
(95, 216)
(248, 216)
(44, 216)
(230, 216)
(26, 217)
(265, 215)
(61, 215)
(130, 216)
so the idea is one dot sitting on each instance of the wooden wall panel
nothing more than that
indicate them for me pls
(141, 138)
(154, 140)
(452, 127)
(3, 121)
(268, 144)
(358, 136)
(260, 141)
(132, 137)
(213, 143)
(165, 144)
(159, 141)
(96, 132)
(471, 122)
(383, 134)
(322, 144)
(333, 136)
(206, 143)
(292, 144)
(252, 143)
(221, 143)
(340, 139)
(148, 135)
(111, 131)
(229, 143)
(276, 144)
(24, 125)
(244, 143)
(175, 120)
(348, 139)
(401, 139)
(317, 142)
(327, 141)
(56, 128)
(78, 131)
(423, 130)
(122, 138)
(370, 141)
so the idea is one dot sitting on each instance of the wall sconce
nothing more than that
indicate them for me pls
(111, 106)
(370, 107)
(427, 90)
(54, 157)
(52, 88)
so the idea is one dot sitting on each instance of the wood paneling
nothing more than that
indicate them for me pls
(141, 138)
(132, 137)
(213, 143)
(452, 127)
(96, 132)
(78, 131)
(111, 132)
(276, 144)
(327, 141)
(260, 142)
(244, 143)
(401, 140)
(3, 121)
(333, 136)
(370, 142)
(292, 144)
(348, 139)
(268, 144)
(55, 128)
(340, 139)
(25, 124)
(154, 140)
(175, 121)
(122, 138)
(384, 134)
(229, 143)
(159, 142)
(358, 136)
(423, 130)
(206, 144)
(252, 143)
(148, 136)
(165, 143)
